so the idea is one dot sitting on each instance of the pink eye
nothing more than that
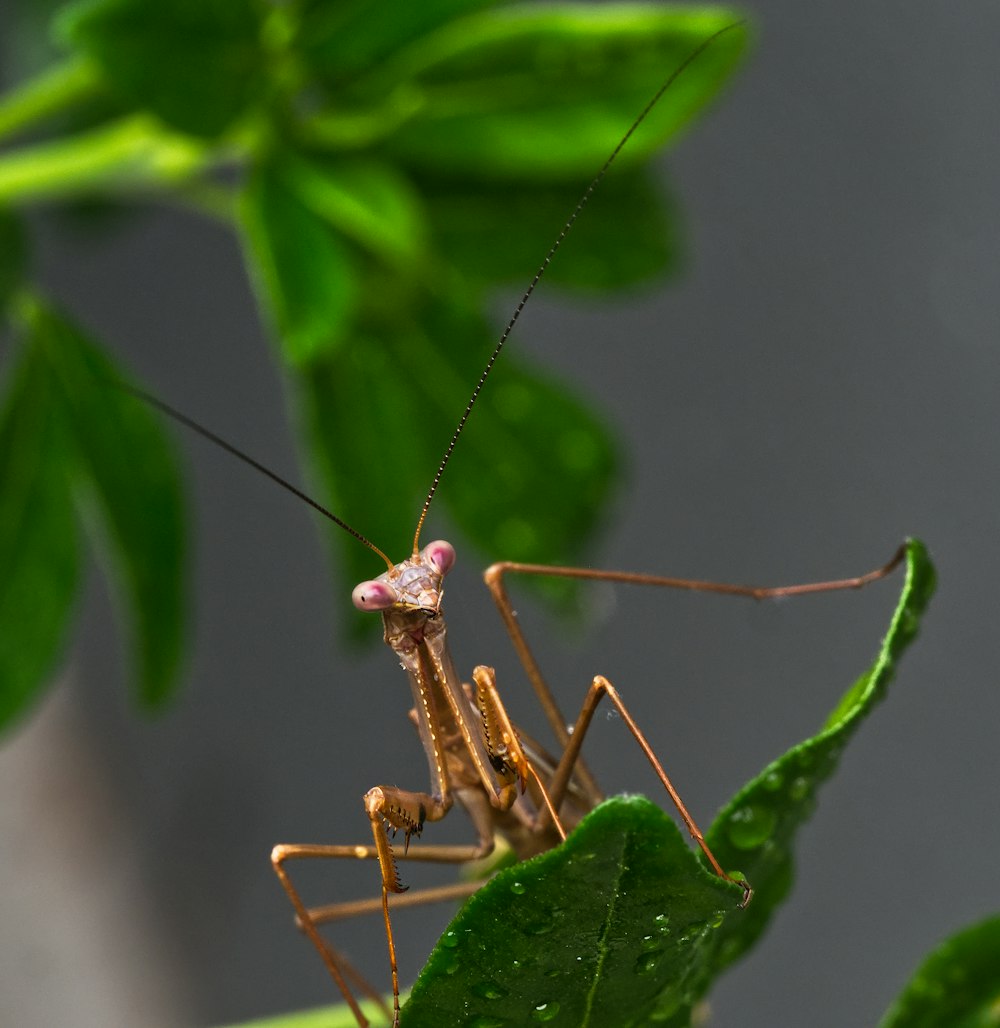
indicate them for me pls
(441, 554)
(373, 596)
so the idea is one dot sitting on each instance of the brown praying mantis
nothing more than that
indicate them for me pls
(506, 782)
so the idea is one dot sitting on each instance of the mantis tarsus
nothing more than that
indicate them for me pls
(505, 782)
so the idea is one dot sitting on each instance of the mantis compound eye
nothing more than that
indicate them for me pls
(441, 554)
(373, 596)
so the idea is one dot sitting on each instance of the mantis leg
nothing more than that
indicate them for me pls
(599, 688)
(494, 578)
(570, 765)
(383, 804)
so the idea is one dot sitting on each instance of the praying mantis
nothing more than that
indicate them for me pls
(506, 783)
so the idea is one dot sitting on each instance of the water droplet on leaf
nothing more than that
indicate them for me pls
(488, 990)
(751, 825)
(540, 926)
(545, 1011)
(647, 961)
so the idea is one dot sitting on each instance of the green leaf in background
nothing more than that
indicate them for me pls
(382, 412)
(626, 237)
(367, 201)
(393, 170)
(320, 1017)
(38, 538)
(124, 156)
(556, 86)
(303, 270)
(197, 64)
(957, 986)
(344, 39)
(378, 419)
(128, 482)
(535, 473)
(607, 929)
(372, 463)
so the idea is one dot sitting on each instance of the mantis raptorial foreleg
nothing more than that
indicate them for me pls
(486, 787)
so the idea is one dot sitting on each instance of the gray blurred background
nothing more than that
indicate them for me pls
(821, 382)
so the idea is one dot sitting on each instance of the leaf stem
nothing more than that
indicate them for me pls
(133, 153)
(46, 94)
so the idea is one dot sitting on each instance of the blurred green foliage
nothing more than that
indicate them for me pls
(393, 166)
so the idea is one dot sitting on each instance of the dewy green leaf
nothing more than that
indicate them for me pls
(755, 831)
(130, 481)
(608, 929)
(197, 64)
(753, 834)
(555, 84)
(38, 538)
(302, 268)
(957, 986)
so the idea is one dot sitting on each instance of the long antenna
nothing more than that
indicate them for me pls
(165, 408)
(543, 267)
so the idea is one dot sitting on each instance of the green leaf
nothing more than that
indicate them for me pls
(13, 256)
(545, 92)
(958, 985)
(38, 539)
(535, 474)
(379, 415)
(607, 929)
(372, 461)
(321, 1017)
(625, 236)
(303, 270)
(342, 39)
(367, 201)
(117, 157)
(128, 481)
(197, 64)
(756, 830)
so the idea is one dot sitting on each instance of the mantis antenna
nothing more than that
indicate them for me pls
(165, 408)
(543, 267)
(176, 415)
